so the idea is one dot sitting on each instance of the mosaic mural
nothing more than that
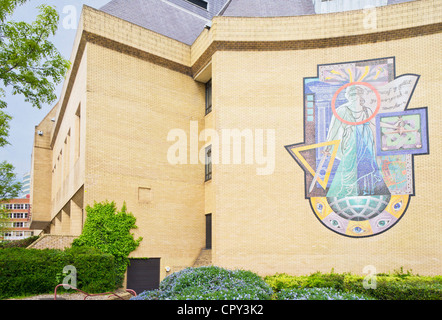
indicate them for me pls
(359, 142)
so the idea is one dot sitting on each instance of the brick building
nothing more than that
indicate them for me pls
(18, 219)
(162, 92)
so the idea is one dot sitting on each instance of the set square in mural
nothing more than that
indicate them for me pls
(359, 142)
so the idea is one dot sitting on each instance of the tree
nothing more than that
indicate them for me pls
(9, 189)
(4, 128)
(30, 65)
(109, 231)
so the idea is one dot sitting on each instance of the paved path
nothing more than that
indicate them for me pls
(75, 296)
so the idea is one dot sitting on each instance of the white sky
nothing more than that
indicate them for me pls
(26, 117)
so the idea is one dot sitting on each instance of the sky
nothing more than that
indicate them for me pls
(26, 117)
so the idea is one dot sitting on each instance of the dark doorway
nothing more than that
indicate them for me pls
(143, 274)
(209, 231)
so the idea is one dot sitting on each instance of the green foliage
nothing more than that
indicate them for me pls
(31, 271)
(109, 231)
(95, 270)
(23, 243)
(30, 65)
(9, 187)
(318, 294)
(206, 283)
(7, 7)
(407, 290)
(282, 281)
(4, 128)
(210, 283)
(395, 286)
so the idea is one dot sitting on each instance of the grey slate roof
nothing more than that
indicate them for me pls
(184, 21)
(398, 1)
(160, 16)
(265, 8)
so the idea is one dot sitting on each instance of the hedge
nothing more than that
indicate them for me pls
(23, 243)
(26, 272)
(395, 286)
(318, 294)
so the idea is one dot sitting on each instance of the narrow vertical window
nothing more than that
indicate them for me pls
(61, 170)
(208, 175)
(77, 132)
(209, 96)
(67, 147)
(209, 231)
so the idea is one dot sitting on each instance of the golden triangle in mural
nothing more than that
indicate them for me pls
(323, 182)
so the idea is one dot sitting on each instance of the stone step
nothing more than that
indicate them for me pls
(53, 241)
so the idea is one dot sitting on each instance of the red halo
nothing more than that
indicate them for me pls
(378, 107)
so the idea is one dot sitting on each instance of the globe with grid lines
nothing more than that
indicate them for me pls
(359, 208)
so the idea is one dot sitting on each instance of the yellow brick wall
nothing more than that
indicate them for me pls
(132, 106)
(121, 31)
(41, 167)
(67, 159)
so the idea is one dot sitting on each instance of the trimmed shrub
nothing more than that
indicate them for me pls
(396, 286)
(28, 271)
(315, 280)
(32, 271)
(23, 243)
(95, 270)
(282, 281)
(210, 283)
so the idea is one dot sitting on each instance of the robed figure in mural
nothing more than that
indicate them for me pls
(358, 172)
